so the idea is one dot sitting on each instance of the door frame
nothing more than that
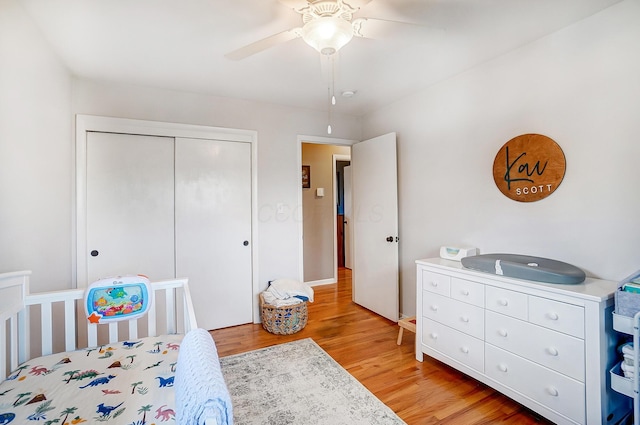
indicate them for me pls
(336, 158)
(93, 123)
(320, 141)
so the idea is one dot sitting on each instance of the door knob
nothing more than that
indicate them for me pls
(94, 253)
(389, 238)
(245, 243)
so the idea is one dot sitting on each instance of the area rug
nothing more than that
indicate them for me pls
(299, 383)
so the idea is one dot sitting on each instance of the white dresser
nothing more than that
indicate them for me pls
(547, 346)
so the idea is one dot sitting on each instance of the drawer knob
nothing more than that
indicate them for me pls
(503, 367)
(552, 351)
(553, 316)
(552, 391)
(503, 333)
(434, 284)
(464, 319)
(465, 292)
(433, 335)
(465, 350)
(434, 307)
(503, 302)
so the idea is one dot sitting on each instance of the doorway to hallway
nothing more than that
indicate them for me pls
(323, 211)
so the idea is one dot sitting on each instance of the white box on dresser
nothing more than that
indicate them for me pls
(547, 346)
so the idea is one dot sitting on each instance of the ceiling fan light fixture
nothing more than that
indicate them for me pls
(327, 34)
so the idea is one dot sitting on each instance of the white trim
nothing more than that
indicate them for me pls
(89, 123)
(158, 128)
(254, 227)
(320, 282)
(336, 158)
(321, 141)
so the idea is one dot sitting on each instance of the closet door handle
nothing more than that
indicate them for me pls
(245, 243)
(94, 253)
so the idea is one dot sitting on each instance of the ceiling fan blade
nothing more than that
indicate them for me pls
(264, 44)
(382, 28)
(357, 4)
(301, 5)
(297, 5)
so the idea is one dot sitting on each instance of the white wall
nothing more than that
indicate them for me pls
(579, 86)
(35, 154)
(278, 173)
(38, 101)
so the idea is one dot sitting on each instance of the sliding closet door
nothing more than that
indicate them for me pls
(174, 207)
(213, 228)
(130, 199)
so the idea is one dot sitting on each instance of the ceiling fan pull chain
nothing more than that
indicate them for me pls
(330, 89)
(329, 111)
(333, 80)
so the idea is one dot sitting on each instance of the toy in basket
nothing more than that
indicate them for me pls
(284, 306)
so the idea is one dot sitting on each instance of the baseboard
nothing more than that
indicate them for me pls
(321, 282)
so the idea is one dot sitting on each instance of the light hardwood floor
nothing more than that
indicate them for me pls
(365, 345)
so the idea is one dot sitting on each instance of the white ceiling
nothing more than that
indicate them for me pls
(180, 44)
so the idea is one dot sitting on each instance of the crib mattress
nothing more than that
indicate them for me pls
(127, 382)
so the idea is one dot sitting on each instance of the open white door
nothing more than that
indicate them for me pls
(375, 225)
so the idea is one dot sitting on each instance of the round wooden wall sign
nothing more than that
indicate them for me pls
(529, 167)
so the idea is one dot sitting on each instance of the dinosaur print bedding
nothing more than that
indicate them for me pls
(125, 383)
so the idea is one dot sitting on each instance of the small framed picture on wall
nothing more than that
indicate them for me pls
(306, 176)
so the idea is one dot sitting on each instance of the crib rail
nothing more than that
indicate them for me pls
(62, 325)
(13, 290)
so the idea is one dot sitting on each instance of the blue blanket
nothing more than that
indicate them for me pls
(201, 392)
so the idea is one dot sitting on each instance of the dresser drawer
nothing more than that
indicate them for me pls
(436, 282)
(467, 291)
(559, 316)
(465, 318)
(555, 350)
(556, 391)
(456, 345)
(507, 302)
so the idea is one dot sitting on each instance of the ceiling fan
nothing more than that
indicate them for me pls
(327, 25)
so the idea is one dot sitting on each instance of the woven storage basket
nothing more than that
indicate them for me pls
(284, 320)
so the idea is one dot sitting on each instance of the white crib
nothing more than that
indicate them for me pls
(42, 328)
(16, 304)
